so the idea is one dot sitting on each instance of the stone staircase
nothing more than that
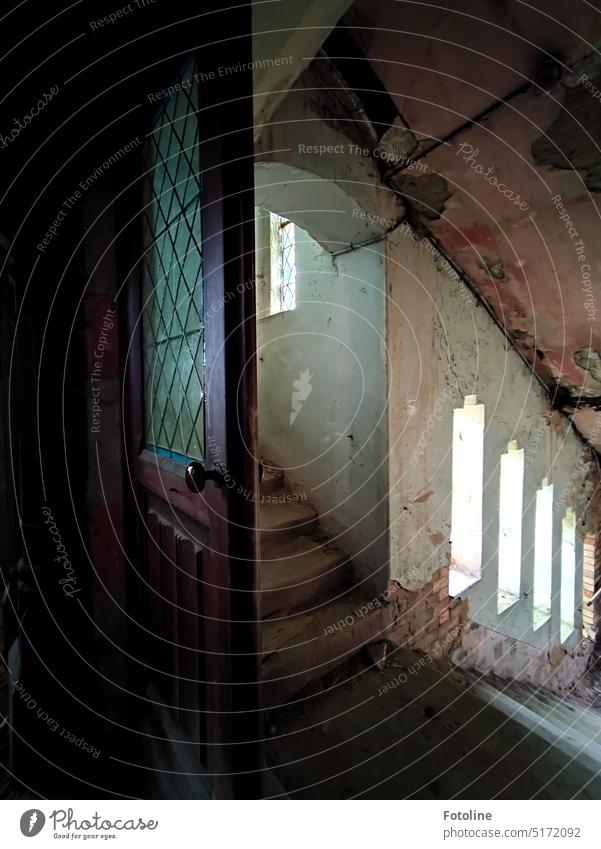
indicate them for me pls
(312, 620)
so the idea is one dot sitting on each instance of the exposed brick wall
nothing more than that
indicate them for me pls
(595, 610)
(427, 619)
(433, 622)
(558, 669)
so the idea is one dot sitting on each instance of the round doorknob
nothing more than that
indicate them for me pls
(197, 476)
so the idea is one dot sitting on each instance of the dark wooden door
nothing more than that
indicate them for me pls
(190, 399)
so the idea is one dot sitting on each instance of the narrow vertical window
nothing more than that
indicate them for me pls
(568, 574)
(283, 264)
(588, 584)
(543, 555)
(263, 261)
(466, 518)
(510, 526)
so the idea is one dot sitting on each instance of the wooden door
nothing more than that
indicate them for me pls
(190, 405)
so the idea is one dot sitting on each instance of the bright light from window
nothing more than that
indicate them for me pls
(283, 264)
(543, 555)
(466, 518)
(568, 574)
(510, 526)
(588, 584)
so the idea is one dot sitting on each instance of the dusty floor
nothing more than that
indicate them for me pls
(427, 734)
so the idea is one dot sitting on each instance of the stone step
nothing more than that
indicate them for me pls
(280, 521)
(301, 572)
(302, 648)
(273, 479)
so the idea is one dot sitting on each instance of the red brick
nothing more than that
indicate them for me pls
(441, 584)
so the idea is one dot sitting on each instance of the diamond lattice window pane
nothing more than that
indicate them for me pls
(288, 265)
(283, 264)
(173, 338)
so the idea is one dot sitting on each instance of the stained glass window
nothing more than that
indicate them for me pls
(283, 264)
(173, 332)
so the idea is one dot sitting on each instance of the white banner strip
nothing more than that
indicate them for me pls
(300, 824)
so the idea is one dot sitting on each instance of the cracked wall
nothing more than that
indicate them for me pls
(444, 345)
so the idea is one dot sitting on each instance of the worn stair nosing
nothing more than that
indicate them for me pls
(305, 566)
(303, 519)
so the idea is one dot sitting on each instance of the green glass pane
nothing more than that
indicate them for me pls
(196, 430)
(190, 365)
(161, 425)
(173, 340)
(192, 270)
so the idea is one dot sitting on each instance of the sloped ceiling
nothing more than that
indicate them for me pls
(493, 90)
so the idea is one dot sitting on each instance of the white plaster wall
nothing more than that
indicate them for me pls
(323, 188)
(335, 451)
(327, 195)
(442, 346)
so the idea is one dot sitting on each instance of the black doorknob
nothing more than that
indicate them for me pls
(197, 476)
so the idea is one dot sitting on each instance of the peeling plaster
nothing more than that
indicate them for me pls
(589, 360)
(494, 268)
(399, 140)
(426, 195)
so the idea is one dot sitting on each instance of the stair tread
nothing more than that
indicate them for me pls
(301, 559)
(278, 632)
(294, 633)
(275, 515)
(303, 648)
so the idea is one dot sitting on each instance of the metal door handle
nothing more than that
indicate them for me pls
(197, 476)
